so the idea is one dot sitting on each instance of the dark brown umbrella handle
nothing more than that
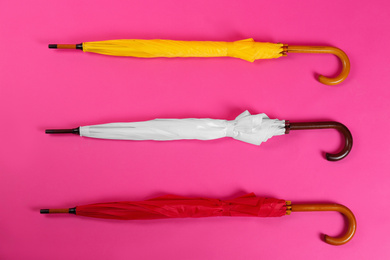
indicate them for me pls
(346, 65)
(351, 229)
(324, 125)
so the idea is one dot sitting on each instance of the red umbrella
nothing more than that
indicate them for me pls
(172, 206)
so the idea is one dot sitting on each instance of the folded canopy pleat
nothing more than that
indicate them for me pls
(253, 129)
(247, 49)
(172, 206)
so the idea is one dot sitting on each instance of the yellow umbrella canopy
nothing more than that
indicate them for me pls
(247, 49)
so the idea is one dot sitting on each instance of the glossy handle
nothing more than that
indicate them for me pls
(351, 229)
(346, 66)
(325, 125)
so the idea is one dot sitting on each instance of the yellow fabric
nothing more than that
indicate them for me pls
(246, 49)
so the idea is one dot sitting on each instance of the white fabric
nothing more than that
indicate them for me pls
(253, 129)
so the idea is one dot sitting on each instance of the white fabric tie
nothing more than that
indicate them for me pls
(230, 128)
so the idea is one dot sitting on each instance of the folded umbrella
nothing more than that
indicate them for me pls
(171, 206)
(247, 49)
(253, 129)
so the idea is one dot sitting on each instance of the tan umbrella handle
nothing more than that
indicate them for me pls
(324, 49)
(351, 229)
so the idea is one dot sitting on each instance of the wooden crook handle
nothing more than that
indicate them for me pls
(324, 49)
(332, 207)
(324, 125)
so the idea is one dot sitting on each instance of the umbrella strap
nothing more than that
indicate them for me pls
(287, 126)
(288, 207)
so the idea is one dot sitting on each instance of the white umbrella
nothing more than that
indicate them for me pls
(253, 129)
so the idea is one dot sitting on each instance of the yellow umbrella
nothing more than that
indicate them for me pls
(247, 49)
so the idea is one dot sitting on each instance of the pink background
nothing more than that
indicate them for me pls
(42, 88)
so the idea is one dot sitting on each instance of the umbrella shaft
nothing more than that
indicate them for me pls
(63, 131)
(56, 211)
(66, 46)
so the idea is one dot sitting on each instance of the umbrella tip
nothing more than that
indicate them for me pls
(54, 211)
(63, 131)
(66, 46)
(44, 211)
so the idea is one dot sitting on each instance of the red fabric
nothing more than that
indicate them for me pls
(171, 206)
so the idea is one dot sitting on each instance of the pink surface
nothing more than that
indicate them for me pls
(42, 88)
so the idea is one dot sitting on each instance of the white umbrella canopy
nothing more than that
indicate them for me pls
(253, 129)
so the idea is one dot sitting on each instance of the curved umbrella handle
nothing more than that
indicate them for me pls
(330, 207)
(324, 49)
(324, 125)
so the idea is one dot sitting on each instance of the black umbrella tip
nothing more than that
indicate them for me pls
(52, 46)
(44, 211)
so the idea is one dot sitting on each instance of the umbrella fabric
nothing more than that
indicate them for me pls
(172, 206)
(247, 49)
(253, 129)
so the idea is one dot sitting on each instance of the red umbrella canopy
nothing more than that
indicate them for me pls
(172, 206)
